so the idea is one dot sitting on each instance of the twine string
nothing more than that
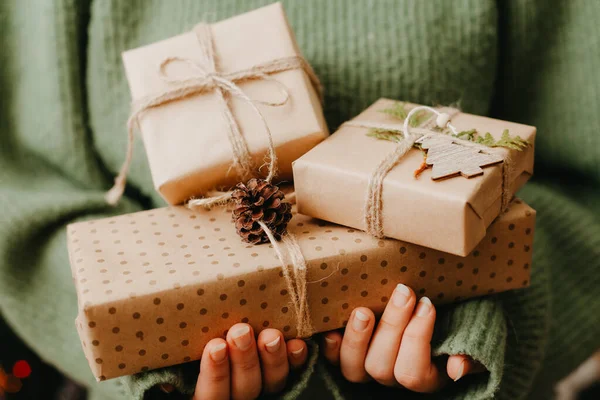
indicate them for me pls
(205, 77)
(373, 210)
(289, 254)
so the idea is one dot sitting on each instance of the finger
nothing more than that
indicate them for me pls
(273, 360)
(167, 388)
(414, 369)
(460, 365)
(297, 353)
(385, 344)
(331, 346)
(246, 380)
(214, 378)
(355, 344)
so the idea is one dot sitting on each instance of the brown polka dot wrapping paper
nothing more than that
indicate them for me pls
(154, 287)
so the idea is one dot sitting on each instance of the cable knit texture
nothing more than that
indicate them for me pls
(65, 101)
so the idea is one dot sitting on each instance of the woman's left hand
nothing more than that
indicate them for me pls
(396, 351)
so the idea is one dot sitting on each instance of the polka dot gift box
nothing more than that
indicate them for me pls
(154, 286)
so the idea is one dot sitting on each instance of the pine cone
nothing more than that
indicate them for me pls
(258, 200)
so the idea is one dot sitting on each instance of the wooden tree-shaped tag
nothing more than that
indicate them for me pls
(450, 158)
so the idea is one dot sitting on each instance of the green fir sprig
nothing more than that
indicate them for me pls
(400, 110)
(384, 134)
(397, 110)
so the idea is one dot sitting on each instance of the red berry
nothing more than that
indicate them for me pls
(21, 369)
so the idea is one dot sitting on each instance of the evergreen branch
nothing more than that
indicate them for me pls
(383, 134)
(486, 140)
(418, 118)
(400, 110)
(506, 141)
(512, 142)
(467, 135)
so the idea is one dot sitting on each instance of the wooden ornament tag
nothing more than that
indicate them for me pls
(448, 157)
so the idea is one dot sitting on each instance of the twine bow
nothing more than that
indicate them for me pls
(374, 200)
(207, 78)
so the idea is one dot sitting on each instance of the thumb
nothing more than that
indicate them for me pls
(460, 365)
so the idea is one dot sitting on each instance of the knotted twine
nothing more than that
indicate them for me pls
(207, 78)
(373, 209)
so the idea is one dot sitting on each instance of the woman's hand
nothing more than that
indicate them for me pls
(241, 367)
(396, 351)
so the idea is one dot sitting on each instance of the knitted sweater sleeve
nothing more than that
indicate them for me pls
(476, 328)
(65, 101)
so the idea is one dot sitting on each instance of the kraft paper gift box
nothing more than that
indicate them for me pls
(451, 215)
(154, 287)
(186, 140)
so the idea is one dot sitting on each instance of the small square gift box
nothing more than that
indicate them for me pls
(154, 287)
(374, 174)
(216, 103)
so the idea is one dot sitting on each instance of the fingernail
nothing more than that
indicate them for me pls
(461, 371)
(331, 343)
(167, 388)
(218, 352)
(273, 346)
(424, 307)
(241, 338)
(298, 353)
(400, 297)
(361, 320)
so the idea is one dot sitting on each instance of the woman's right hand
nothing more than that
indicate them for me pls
(241, 367)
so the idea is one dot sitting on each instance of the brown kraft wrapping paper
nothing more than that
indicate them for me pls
(186, 140)
(154, 287)
(451, 215)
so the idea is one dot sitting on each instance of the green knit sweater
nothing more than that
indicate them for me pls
(64, 102)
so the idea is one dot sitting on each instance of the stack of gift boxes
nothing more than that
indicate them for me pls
(154, 286)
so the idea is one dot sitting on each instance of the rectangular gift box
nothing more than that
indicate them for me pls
(154, 287)
(186, 140)
(451, 215)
